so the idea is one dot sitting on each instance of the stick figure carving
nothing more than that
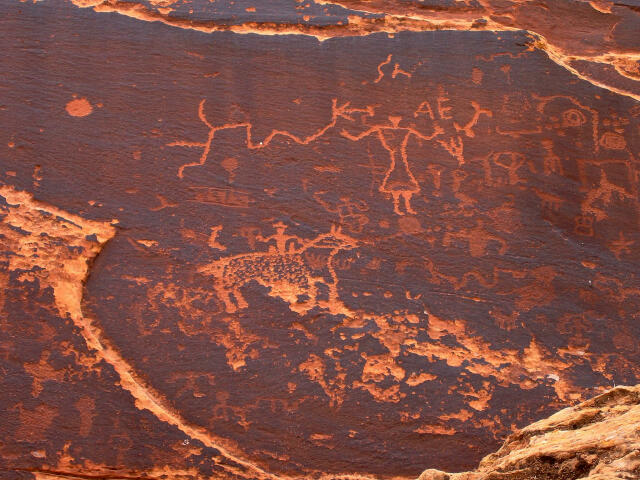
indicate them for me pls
(393, 131)
(398, 181)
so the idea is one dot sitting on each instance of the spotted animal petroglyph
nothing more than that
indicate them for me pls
(284, 269)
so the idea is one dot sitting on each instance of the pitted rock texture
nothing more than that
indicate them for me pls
(242, 244)
(596, 440)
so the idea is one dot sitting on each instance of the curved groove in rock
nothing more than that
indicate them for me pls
(67, 277)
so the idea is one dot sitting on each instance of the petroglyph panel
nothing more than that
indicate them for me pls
(261, 256)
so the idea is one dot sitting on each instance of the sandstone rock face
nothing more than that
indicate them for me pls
(287, 239)
(596, 440)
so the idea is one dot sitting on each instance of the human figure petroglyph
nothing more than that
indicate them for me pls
(393, 132)
(601, 196)
(282, 242)
(284, 269)
(399, 181)
(502, 168)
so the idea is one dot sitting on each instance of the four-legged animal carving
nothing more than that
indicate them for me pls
(286, 273)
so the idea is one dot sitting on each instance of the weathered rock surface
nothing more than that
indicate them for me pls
(302, 240)
(601, 45)
(596, 440)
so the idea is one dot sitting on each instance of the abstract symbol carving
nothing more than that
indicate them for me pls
(350, 212)
(393, 132)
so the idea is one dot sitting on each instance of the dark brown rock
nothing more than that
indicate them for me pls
(253, 244)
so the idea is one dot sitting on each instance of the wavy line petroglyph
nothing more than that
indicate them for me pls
(393, 133)
(337, 111)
